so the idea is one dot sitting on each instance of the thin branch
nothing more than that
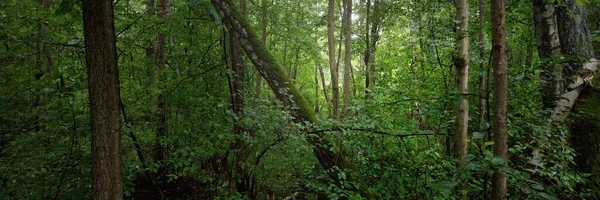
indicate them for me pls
(132, 23)
(374, 131)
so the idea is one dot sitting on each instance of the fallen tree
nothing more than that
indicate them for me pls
(281, 85)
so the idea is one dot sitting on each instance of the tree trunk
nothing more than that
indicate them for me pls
(296, 62)
(575, 42)
(462, 82)
(103, 81)
(323, 83)
(546, 30)
(335, 91)
(316, 90)
(237, 102)
(280, 84)
(160, 63)
(347, 29)
(371, 41)
(499, 64)
(462, 77)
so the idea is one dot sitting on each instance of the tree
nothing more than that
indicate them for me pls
(372, 26)
(333, 67)
(103, 82)
(499, 63)
(236, 88)
(546, 30)
(280, 84)
(576, 44)
(347, 29)
(462, 62)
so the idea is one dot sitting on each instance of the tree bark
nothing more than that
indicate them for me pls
(103, 81)
(243, 180)
(499, 63)
(347, 29)
(462, 78)
(580, 95)
(371, 41)
(335, 91)
(462, 82)
(160, 63)
(280, 84)
(546, 30)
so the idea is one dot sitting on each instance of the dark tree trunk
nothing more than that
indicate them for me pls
(499, 63)
(103, 81)
(243, 180)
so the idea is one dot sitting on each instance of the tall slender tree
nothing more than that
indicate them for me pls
(462, 62)
(103, 82)
(499, 63)
(347, 29)
(372, 27)
(333, 69)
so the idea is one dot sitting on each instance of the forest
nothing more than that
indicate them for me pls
(299, 99)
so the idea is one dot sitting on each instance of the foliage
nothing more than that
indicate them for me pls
(399, 142)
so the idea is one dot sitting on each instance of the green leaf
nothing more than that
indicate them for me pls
(478, 135)
(547, 196)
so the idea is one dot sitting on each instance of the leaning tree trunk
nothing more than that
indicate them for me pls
(103, 81)
(281, 85)
(499, 63)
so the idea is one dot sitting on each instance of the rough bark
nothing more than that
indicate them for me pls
(546, 30)
(574, 32)
(576, 44)
(103, 81)
(281, 85)
(499, 63)
(347, 29)
(335, 91)
(462, 78)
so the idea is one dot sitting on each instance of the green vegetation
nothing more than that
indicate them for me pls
(178, 117)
